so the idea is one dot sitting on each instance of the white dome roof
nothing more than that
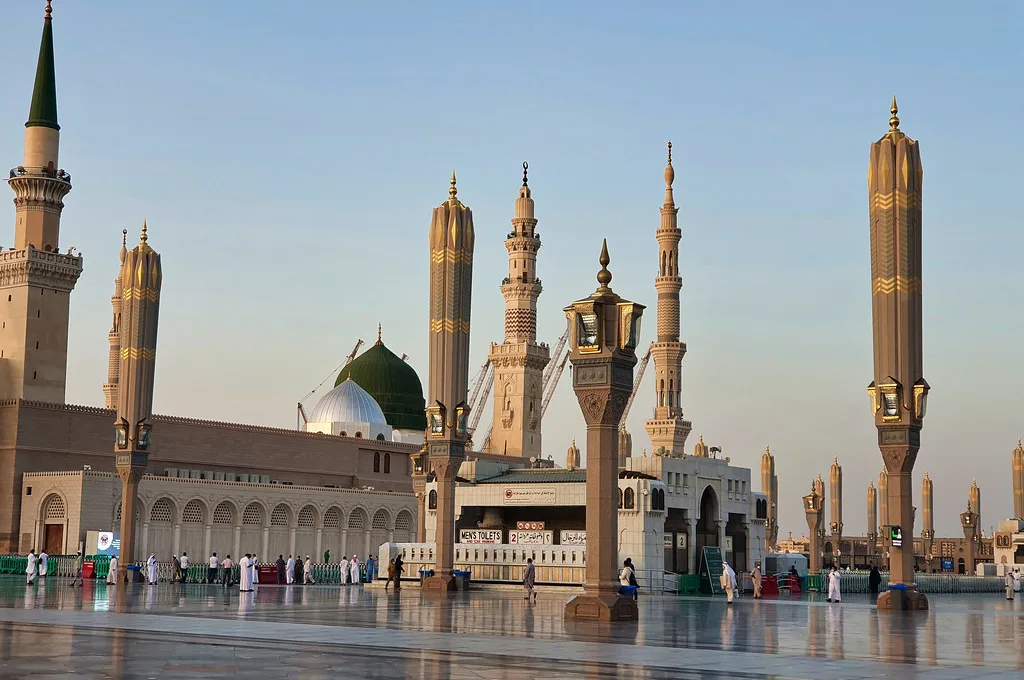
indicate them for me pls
(347, 403)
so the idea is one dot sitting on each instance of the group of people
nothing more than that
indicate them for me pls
(38, 567)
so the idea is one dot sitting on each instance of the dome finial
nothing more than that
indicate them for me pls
(894, 122)
(670, 177)
(124, 244)
(525, 167)
(144, 237)
(378, 335)
(604, 277)
(49, 10)
(453, 191)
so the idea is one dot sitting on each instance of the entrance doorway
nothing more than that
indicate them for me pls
(54, 541)
(706, 534)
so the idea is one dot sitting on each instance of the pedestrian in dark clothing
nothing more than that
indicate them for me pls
(398, 572)
(874, 579)
(280, 569)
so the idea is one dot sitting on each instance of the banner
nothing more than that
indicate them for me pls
(516, 537)
(573, 538)
(488, 536)
(528, 496)
(108, 543)
(530, 526)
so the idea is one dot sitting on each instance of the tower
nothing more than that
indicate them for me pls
(770, 488)
(114, 336)
(35, 277)
(519, 361)
(667, 429)
(872, 519)
(898, 391)
(451, 286)
(1017, 462)
(969, 523)
(143, 274)
(928, 528)
(975, 498)
(835, 481)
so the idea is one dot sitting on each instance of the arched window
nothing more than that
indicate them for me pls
(55, 508)
(223, 514)
(671, 389)
(387, 463)
(332, 518)
(380, 520)
(343, 433)
(628, 499)
(193, 513)
(307, 517)
(161, 511)
(432, 500)
(279, 517)
(359, 435)
(376, 461)
(620, 499)
(380, 437)
(252, 515)
(403, 521)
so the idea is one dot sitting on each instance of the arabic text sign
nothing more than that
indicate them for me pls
(516, 537)
(527, 496)
(573, 538)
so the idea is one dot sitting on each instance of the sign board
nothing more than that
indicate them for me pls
(530, 526)
(108, 543)
(681, 541)
(728, 544)
(896, 535)
(947, 564)
(516, 537)
(528, 496)
(711, 570)
(488, 536)
(668, 541)
(572, 538)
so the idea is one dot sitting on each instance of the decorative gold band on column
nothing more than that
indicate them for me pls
(449, 255)
(449, 326)
(141, 293)
(138, 353)
(896, 284)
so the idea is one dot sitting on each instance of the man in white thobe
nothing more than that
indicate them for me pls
(307, 571)
(43, 559)
(30, 571)
(151, 568)
(112, 571)
(245, 575)
(353, 568)
(289, 570)
(254, 565)
(833, 585)
(728, 582)
(344, 569)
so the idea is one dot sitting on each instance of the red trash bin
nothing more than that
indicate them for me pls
(267, 573)
(89, 570)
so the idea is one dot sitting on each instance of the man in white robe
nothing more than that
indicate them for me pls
(151, 568)
(728, 582)
(245, 574)
(30, 571)
(307, 571)
(833, 585)
(43, 560)
(254, 566)
(353, 568)
(112, 572)
(344, 569)
(289, 571)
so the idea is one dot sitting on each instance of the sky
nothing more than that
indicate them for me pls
(287, 157)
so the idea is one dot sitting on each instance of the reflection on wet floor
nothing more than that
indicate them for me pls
(206, 631)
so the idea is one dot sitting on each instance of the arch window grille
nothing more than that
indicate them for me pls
(403, 521)
(193, 513)
(380, 437)
(307, 518)
(380, 520)
(223, 514)
(628, 499)
(356, 520)
(387, 463)
(55, 508)
(279, 517)
(432, 500)
(620, 499)
(252, 515)
(376, 461)
(161, 511)
(332, 518)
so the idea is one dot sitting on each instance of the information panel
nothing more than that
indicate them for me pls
(488, 536)
(516, 537)
(572, 537)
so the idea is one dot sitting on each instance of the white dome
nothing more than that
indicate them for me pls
(347, 403)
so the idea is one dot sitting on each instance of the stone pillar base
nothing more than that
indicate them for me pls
(601, 607)
(440, 584)
(903, 600)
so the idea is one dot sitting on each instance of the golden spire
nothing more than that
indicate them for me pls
(670, 177)
(525, 167)
(453, 191)
(124, 244)
(894, 122)
(378, 335)
(144, 237)
(604, 277)
(49, 9)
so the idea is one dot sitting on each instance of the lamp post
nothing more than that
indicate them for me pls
(604, 331)
(813, 509)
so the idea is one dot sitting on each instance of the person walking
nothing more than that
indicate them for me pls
(1008, 581)
(755, 578)
(353, 569)
(529, 580)
(228, 566)
(254, 568)
(151, 569)
(307, 568)
(184, 567)
(327, 556)
(289, 570)
(728, 582)
(77, 580)
(1016, 579)
(371, 566)
(43, 562)
(211, 573)
(112, 571)
(281, 567)
(391, 575)
(245, 577)
(399, 568)
(874, 579)
(833, 585)
(31, 568)
(344, 570)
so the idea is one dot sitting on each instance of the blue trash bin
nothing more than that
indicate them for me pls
(134, 574)
(628, 591)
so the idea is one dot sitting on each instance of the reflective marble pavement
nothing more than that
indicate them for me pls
(197, 631)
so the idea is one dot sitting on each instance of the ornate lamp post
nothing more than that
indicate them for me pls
(604, 330)
(814, 506)
(969, 523)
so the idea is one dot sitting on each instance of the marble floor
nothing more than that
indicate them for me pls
(197, 631)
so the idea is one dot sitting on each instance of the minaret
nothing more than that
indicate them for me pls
(35, 277)
(140, 311)
(667, 429)
(975, 498)
(969, 523)
(1017, 462)
(519, 361)
(451, 286)
(572, 457)
(835, 481)
(114, 337)
(927, 521)
(883, 515)
(770, 488)
(872, 519)
(898, 390)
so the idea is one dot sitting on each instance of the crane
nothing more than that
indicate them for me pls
(550, 368)
(552, 383)
(486, 380)
(636, 387)
(300, 418)
(478, 384)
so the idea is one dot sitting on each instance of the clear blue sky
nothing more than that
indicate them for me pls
(287, 157)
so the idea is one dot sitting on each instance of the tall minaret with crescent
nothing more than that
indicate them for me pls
(114, 336)
(519, 361)
(35, 277)
(667, 429)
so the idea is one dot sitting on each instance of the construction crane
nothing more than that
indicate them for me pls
(300, 417)
(636, 387)
(552, 383)
(550, 368)
(481, 390)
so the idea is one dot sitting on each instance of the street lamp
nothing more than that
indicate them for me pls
(604, 331)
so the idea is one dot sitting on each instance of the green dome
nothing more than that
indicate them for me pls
(392, 383)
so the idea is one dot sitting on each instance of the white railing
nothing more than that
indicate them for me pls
(503, 563)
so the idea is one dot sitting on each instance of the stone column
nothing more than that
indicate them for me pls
(813, 504)
(266, 543)
(207, 540)
(237, 543)
(145, 539)
(319, 541)
(177, 539)
(344, 541)
(129, 499)
(291, 540)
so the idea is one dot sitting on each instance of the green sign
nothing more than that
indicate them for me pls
(896, 535)
(711, 570)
